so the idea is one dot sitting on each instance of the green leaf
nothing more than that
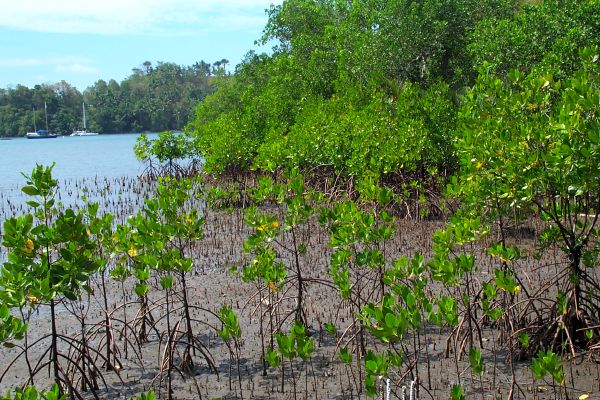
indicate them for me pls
(456, 393)
(141, 289)
(476, 361)
(167, 282)
(345, 355)
(391, 321)
(330, 328)
(524, 340)
(589, 334)
(30, 190)
(371, 366)
(273, 358)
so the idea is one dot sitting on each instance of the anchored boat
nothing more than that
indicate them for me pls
(83, 132)
(40, 133)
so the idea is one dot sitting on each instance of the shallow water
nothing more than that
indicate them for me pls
(102, 168)
(102, 156)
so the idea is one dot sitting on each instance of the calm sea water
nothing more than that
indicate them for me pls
(106, 156)
(103, 168)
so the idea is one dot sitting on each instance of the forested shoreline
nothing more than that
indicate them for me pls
(153, 98)
(371, 88)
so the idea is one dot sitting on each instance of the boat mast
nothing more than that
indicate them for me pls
(84, 125)
(46, 114)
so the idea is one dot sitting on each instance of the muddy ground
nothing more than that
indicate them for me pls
(430, 361)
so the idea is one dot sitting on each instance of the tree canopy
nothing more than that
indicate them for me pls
(373, 86)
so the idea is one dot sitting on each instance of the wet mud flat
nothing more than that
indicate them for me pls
(430, 365)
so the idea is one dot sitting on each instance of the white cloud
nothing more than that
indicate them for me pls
(21, 62)
(75, 64)
(77, 68)
(171, 17)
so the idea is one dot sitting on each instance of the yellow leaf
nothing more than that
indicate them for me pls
(261, 228)
(29, 246)
(584, 396)
(275, 224)
(132, 252)
(272, 286)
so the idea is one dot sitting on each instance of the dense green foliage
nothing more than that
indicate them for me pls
(374, 86)
(152, 98)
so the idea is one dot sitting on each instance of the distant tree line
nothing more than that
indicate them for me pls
(153, 98)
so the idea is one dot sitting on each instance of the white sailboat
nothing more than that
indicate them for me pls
(40, 133)
(83, 132)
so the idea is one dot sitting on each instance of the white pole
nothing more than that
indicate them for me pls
(388, 389)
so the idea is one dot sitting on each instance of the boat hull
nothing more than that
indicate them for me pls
(84, 133)
(36, 135)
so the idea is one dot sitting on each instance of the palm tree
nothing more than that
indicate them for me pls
(216, 66)
(224, 62)
(203, 67)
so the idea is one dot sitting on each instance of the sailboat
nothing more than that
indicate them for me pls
(40, 133)
(83, 132)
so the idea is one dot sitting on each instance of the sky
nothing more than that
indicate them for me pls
(82, 41)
